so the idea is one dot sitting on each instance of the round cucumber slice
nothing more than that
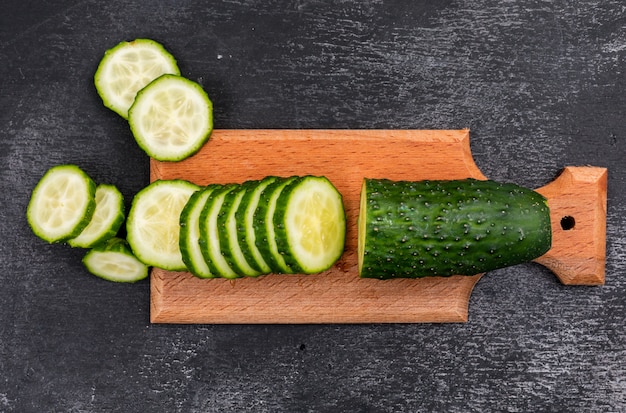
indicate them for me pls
(127, 68)
(190, 234)
(310, 224)
(114, 261)
(209, 233)
(171, 118)
(266, 240)
(227, 225)
(61, 204)
(106, 219)
(244, 217)
(153, 223)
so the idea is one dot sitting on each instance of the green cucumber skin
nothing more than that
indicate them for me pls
(444, 228)
(261, 223)
(185, 241)
(216, 196)
(280, 229)
(246, 235)
(233, 200)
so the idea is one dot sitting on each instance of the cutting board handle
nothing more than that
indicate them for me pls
(577, 201)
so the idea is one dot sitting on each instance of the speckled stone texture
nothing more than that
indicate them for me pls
(539, 83)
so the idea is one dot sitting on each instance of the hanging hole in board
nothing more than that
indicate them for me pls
(568, 222)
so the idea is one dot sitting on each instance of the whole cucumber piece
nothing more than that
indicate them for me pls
(453, 227)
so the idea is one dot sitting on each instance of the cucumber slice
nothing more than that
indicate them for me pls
(127, 68)
(190, 234)
(227, 230)
(171, 118)
(310, 224)
(106, 220)
(114, 261)
(61, 204)
(209, 237)
(153, 223)
(244, 217)
(264, 226)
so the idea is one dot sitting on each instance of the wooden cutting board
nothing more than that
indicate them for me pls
(577, 199)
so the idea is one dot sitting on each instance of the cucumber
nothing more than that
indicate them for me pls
(189, 241)
(265, 239)
(310, 224)
(227, 230)
(61, 204)
(127, 68)
(153, 223)
(114, 261)
(444, 228)
(171, 118)
(106, 220)
(209, 236)
(244, 217)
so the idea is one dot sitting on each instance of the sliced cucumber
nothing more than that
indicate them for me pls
(107, 218)
(190, 234)
(127, 68)
(227, 230)
(113, 260)
(171, 118)
(61, 204)
(310, 224)
(264, 226)
(244, 217)
(153, 223)
(209, 237)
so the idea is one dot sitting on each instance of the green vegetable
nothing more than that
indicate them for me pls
(127, 68)
(106, 220)
(264, 226)
(209, 233)
(113, 260)
(255, 228)
(190, 249)
(443, 228)
(310, 224)
(61, 204)
(227, 230)
(153, 223)
(171, 118)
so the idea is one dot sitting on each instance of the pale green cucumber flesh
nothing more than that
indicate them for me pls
(113, 260)
(444, 228)
(106, 220)
(61, 204)
(153, 223)
(171, 118)
(310, 224)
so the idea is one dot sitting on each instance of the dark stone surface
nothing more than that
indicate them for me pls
(540, 84)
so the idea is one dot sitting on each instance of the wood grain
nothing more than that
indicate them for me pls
(337, 295)
(578, 254)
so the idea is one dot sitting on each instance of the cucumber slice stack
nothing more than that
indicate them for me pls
(127, 68)
(170, 116)
(66, 205)
(273, 225)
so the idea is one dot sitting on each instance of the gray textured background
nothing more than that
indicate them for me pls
(539, 83)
